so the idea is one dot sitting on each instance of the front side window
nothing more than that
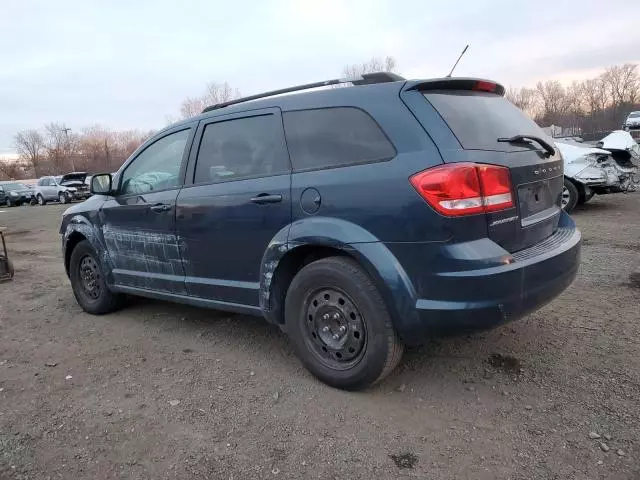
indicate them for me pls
(332, 137)
(242, 148)
(157, 167)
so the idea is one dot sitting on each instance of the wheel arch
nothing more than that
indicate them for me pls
(79, 228)
(313, 240)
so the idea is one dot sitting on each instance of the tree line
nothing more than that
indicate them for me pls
(597, 104)
(55, 150)
(593, 105)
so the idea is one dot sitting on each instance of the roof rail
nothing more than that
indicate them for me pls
(364, 79)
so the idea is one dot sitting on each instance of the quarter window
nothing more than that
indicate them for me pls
(332, 137)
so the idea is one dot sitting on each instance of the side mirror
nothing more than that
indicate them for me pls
(101, 184)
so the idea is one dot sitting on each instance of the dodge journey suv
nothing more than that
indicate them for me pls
(358, 219)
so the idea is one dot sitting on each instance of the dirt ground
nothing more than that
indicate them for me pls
(163, 391)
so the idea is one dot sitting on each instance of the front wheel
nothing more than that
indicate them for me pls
(8, 202)
(339, 324)
(41, 200)
(570, 196)
(88, 283)
(63, 197)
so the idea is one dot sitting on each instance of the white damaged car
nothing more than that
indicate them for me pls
(611, 166)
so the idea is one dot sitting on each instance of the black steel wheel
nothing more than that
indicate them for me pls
(339, 324)
(334, 328)
(88, 282)
(90, 277)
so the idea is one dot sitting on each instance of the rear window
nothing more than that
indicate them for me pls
(478, 119)
(333, 137)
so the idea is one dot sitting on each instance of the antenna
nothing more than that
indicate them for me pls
(456, 64)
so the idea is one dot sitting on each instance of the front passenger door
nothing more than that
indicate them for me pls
(138, 223)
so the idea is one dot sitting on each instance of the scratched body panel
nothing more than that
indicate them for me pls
(145, 259)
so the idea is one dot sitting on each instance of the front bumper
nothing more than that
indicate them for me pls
(488, 297)
(80, 195)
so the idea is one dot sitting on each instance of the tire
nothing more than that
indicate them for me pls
(91, 292)
(570, 196)
(33, 201)
(8, 202)
(63, 197)
(584, 197)
(368, 347)
(41, 200)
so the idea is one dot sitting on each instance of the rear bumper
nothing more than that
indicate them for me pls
(484, 298)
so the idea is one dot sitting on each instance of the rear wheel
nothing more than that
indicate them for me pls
(8, 201)
(340, 326)
(569, 196)
(88, 283)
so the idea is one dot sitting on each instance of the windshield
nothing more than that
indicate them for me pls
(478, 119)
(634, 115)
(12, 186)
(58, 178)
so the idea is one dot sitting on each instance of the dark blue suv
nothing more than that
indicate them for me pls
(358, 219)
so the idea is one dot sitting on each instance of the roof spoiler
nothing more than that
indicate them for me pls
(364, 79)
(473, 84)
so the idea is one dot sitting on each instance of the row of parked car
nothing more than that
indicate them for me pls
(59, 188)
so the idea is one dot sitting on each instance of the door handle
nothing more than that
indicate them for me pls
(161, 207)
(264, 198)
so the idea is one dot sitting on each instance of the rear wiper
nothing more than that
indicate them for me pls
(527, 139)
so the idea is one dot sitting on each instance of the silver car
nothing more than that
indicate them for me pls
(49, 189)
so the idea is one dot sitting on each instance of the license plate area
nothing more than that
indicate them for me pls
(539, 200)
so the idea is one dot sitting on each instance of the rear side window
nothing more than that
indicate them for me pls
(242, 148)
(478, 119)
(332, 137)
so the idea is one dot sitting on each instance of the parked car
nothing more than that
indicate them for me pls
(357, 219)
(633, 120)
(609, 167)
(61, 188)
(15, 194)
(76, 180)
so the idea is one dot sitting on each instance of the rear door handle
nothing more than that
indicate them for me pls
(264, 198)
(161, 207)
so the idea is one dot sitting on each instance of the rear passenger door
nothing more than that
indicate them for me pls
(238, 200)
(47, 190)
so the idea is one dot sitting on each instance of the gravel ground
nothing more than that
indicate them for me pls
(162, 391)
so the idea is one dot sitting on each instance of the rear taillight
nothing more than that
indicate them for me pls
(465, 188)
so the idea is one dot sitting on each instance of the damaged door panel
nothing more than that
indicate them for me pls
(139, 223)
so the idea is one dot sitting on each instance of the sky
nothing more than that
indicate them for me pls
(129, 64)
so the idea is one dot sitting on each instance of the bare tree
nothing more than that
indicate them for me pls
(59, 146)
(622, 82)
(375, 64)
(554, 102)
(30, 146)
(12, 169)
(215, 93)
(524, 98)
